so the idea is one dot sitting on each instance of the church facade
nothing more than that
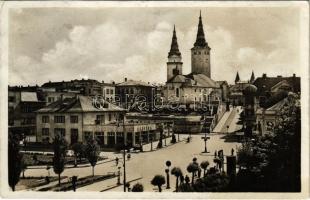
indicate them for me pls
(196, 87)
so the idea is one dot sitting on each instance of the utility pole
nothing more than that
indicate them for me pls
(124, 154)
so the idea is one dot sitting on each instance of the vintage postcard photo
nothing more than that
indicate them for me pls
(155, 99)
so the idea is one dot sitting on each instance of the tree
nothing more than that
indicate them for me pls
(14, 160)
(60, 147)
(158, 181)
(192, 168)
(204, 165)
(138, 187)
(177, 172)
(272, 162)
(92, 152)
(78, 149)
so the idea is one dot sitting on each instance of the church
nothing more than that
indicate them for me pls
(197, 86)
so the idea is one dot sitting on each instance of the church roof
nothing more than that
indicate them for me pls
(194, 80)
(174, 49)
(200, 39)
(203, 80)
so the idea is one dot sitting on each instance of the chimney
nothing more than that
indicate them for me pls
(125, 79)
(113, 82)
(279, 76)
(264, 75)
(102, 81)
(294, 75)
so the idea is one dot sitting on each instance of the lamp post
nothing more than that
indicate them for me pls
(152, 142)
(168, 164)
(205, 138)
(124, 155)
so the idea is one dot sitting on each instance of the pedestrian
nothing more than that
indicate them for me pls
(215, 154)
(116, 161)
(187, 180)
(182, 179)
(128, 156)
(199, 172)
(232, 151)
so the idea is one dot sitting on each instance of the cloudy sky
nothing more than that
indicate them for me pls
(112, 43)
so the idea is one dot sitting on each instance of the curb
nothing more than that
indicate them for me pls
(120, 185)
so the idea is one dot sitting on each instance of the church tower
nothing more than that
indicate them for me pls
(174, 64)
(201, 53)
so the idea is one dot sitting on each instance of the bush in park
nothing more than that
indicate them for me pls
(158, 181)
(177, 172)
(138, 187)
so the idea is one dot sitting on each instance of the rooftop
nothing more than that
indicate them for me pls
(81, 104)
(29, 97)
(135, 83)
(193, 79)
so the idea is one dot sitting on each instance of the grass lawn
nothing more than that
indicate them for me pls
(31, 182)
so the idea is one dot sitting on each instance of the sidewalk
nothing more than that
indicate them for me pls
(147, 147)
(230, 119)
(218, 128)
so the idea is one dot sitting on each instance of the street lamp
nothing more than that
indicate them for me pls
(151, 141)
(168, 164)
(205, 138)
(124, 153)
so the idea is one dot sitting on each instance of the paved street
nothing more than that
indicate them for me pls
(145, 165)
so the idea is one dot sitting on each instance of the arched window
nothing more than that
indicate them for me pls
(177, 92)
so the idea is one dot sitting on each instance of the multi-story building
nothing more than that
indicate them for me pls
(224, 89)
(108, 91)
(22, 104)
(50, 95)
(82, 117)
(269, 87)
(135, 95)
(87, 87)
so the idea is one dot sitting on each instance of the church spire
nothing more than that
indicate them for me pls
(200, 39)
(237, 79)
(174, 49)
(252, 79)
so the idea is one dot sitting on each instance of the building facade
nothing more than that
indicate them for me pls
(82, 118)
(108, 91)
(21, 117)
(135, 95)
(87, 87)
